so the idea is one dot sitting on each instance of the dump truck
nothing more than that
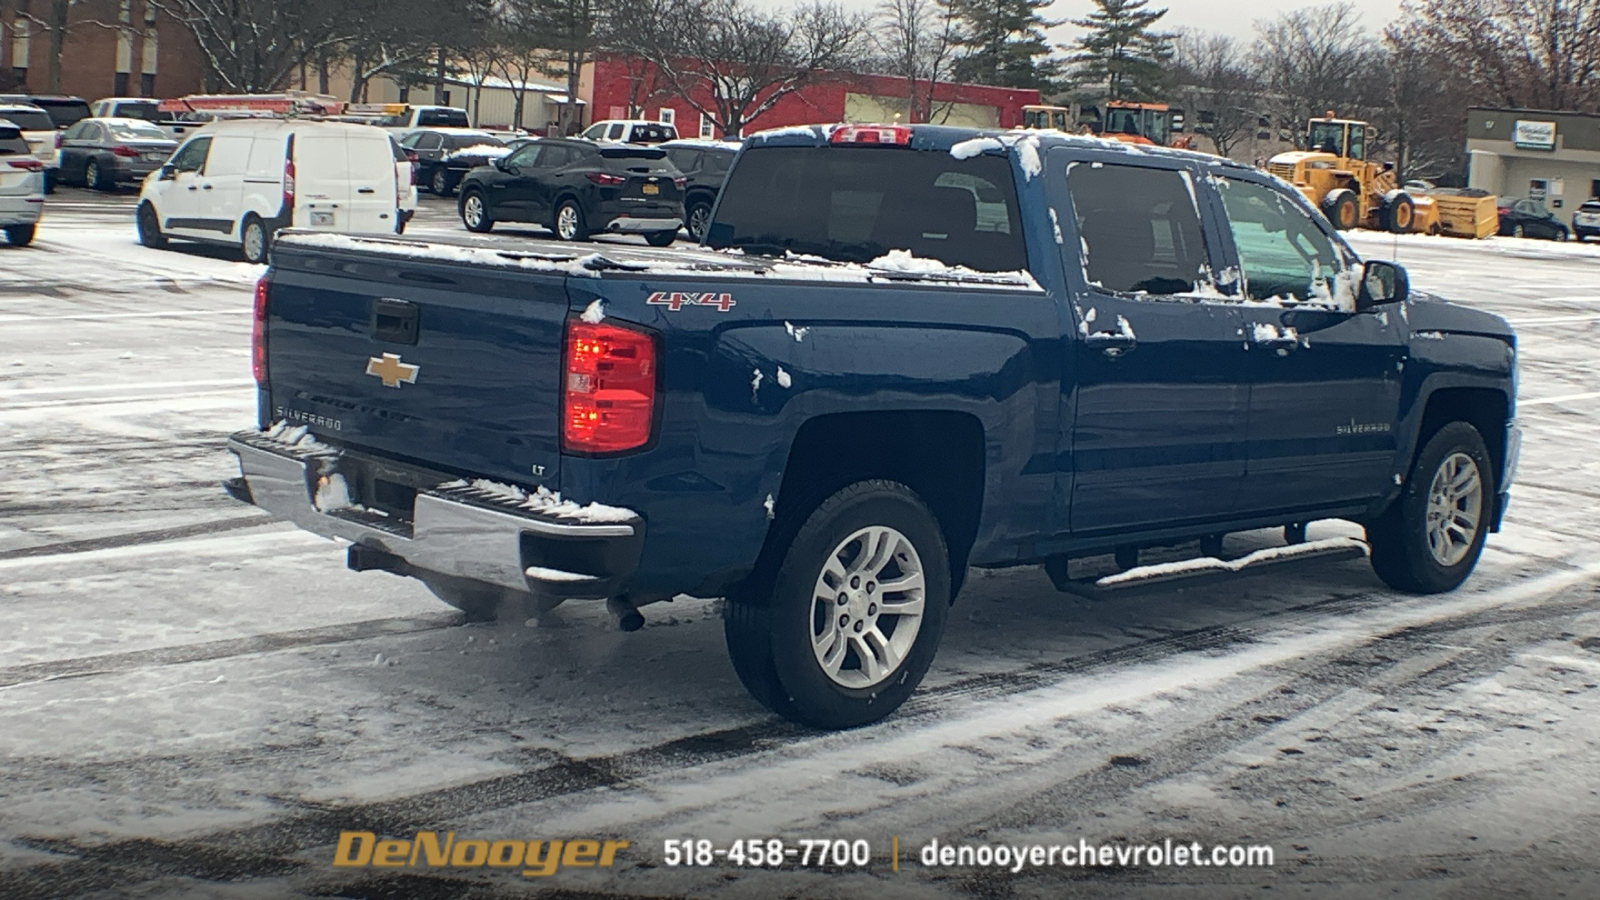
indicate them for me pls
(1354, 192)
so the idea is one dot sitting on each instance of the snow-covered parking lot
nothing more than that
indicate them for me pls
(195, 701)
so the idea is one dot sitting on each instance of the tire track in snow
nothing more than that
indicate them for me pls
(263, 849)
(213, 526)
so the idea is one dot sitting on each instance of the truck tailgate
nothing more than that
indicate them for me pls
(438, 364)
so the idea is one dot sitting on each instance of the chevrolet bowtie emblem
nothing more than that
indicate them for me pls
(389, 368)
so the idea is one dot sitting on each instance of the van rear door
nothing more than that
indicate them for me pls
(322, 179)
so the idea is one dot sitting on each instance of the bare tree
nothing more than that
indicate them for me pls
(570, 29)
(520, 59)
(916, 39)
(1216, 88)
(1312, 60)
(255, 45)
(732, 62)
(1543, 54)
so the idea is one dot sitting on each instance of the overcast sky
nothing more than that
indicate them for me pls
(1235, 17)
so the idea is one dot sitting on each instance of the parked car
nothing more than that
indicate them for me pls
(1530, 218)
(21, 186)
(940, 348)
(127, 108)
(577, 188)
(239, 181)
(455, 165)
(631, 131)
(705, 164)
(400, 118)
(429, 146)
(1586, 220)
(63, 110)
(39, 130)
(103, 153)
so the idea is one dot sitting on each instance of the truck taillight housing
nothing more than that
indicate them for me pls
(288, 182)
(887, 135)
(609, 398)
(258, 335)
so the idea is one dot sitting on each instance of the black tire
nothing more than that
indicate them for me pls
(149, 225)
(1401, 551)
(1341, 208)
(20, 235)
(575, 229)
(770, 636)
(255, 239)
(661, 238)
(697, 219)
(1517, 231)
(95, 178)
(50, 178)
(1399, 213)
(441, 183)
(476, 218)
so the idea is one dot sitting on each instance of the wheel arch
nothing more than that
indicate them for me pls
(939, 454)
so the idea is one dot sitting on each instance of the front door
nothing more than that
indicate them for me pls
(511, 190)
(1324, 379)
(181, 205)
(1158, 409)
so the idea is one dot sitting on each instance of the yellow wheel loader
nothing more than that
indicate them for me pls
(1336, 176)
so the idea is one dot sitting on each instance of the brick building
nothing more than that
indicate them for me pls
(111, 48)
(615, 86)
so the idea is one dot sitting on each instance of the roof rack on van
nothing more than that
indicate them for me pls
(286, 104)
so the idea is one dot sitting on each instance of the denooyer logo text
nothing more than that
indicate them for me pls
(428, 849)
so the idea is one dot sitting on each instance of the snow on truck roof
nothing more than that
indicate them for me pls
(511, 253)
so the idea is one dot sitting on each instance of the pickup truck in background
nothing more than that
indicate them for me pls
(902, 352)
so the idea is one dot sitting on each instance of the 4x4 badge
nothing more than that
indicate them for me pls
(391, 370)
(678, 300)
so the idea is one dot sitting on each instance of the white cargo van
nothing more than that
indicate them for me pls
(238, 182)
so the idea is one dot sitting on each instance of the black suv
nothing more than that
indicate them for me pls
(705, 164)
(576, 188)
(430, 147)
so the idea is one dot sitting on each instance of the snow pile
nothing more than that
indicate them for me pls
(333, 493)
(904, 262)
(540, 573)
(296, 436)
(577, 266)
(799, 334)
(1212, 564)
(790, 131)
(975, 146)
(483, 151)
(543, 500)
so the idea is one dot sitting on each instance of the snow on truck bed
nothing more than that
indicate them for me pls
(515, 253)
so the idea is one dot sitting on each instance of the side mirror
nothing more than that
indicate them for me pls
(1382, 282)
(500, 163)
(168, 172)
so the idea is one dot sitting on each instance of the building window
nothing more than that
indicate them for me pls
(668, 115)
(147, 84)
(708, 128)
(119, 85)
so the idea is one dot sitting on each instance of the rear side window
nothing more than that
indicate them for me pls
(686, 160)
(857, 204)
(12, 142)
(615, 133)
(717, 163)
(1283, 255)
(1140, 228)
(442, 118)
(29, 119)
(653, 134)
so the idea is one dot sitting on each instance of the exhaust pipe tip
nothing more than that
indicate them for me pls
(626, 616)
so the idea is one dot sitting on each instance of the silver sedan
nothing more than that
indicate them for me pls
(103, 153)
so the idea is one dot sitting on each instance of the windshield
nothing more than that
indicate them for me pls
(135, 131)
(857, 204)
(28, 119)
(441, 117)
(1327, 137)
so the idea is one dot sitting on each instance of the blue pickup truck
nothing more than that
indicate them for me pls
(900, 352)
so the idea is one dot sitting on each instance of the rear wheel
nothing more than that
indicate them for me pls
(150, 227)
(20, 235)
(569, 222)
(1516, 231)
(475, 212)
(95, 177)
(441, 182)
(1340, 207)
(699, 219)
(661, 238)
(1399, 212)
(1430, 538)
(254, 239)
(854, 617)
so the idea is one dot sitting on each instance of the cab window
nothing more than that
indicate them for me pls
(1140, 229)
(615, 133)
(1283, 254)
(192, 157)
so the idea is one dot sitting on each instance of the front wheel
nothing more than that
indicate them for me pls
(699, 219)
(661, 238)
(1430, 538)
(20, 235)
(150, 228)
(254, 239)
(475, 212)
(855, 614)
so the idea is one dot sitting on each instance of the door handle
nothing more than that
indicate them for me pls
(193, 188)
(206, 186)
(365, 191)
(1111, 343)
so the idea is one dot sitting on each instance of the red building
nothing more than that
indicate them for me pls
(621, 88)
(109, 48)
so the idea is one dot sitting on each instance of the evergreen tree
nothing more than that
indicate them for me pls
(1002, 42)
(1122, 51)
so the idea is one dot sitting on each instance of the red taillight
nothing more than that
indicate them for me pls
(32, 165)
(605, 178)
(288, 183)
(609, 398)
(121, 150)
(871, 134)
(258, 335)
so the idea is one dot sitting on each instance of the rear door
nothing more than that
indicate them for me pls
(322, 179)
(374, 193)
(444, 365)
